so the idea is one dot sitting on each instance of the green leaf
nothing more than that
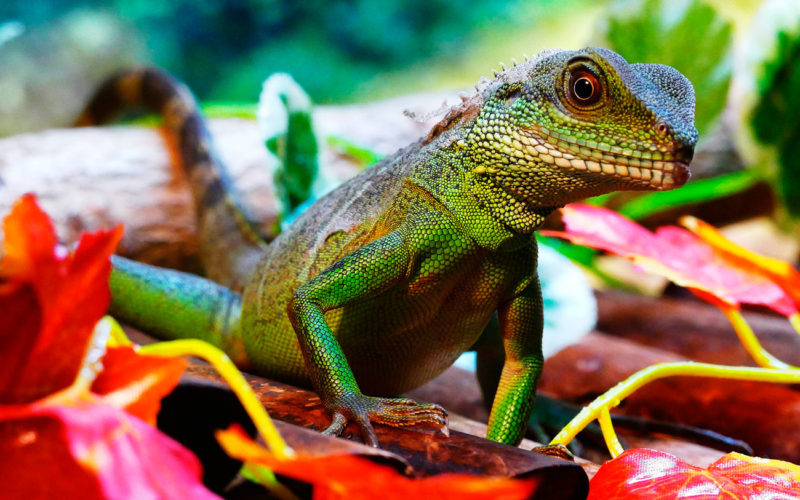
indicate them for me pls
(688, 35)
(285, 119)
(220, 109)
(576, 253)
(694, 192)
(365, 156)
(774, 118)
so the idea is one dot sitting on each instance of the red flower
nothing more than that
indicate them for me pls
(59, 436)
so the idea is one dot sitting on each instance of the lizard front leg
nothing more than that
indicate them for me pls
(521, 330)
(370, 270)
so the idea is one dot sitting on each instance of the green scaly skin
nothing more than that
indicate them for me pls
(383, 283)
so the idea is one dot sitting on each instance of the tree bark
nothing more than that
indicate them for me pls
(96, 177)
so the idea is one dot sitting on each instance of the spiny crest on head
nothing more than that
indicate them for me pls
(471, 106)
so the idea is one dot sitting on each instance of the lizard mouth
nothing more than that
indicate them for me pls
(681, 175)
(659, 175)
(650, 170)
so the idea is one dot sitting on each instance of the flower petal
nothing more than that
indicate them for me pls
(55, 301)
(136, 382)
(37, 463)
(677, 254)
(109, 454)
(782, 273)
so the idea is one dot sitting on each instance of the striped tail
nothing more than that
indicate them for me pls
(230, 246)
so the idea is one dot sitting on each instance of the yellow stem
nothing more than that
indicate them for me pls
(610, 436)
(750, 341)
(613, 396)
(228, 371)
(794, 319)
(118, 337)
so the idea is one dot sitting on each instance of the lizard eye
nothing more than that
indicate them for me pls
(583, 87)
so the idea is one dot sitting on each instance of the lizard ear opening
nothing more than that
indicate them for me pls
(509, 93)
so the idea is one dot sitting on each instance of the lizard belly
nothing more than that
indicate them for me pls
(389, 359)
(393, 342)
(405, 337)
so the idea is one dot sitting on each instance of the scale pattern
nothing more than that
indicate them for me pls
(383, 283)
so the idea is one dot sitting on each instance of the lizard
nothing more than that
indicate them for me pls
(381, 284)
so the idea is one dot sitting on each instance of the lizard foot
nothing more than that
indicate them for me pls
(394, 412)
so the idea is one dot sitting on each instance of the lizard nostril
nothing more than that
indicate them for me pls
(662, 129)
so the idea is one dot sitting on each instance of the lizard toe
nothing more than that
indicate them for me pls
(337, 425)
(409, 413)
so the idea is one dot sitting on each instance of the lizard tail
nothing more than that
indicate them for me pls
(175, 305)
(230, 246)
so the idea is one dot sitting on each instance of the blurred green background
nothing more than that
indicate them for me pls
(739, 54)
(338, 50)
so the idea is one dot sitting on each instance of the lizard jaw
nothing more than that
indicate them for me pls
(656, 168)
(669, 171)
(658, 175)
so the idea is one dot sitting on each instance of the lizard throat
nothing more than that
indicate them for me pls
(509, 206)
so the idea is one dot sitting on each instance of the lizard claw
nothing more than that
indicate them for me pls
(337, 426)
(394, 412)
(403, 412)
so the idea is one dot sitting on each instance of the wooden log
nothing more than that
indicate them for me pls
(102, 176)
(692, 329)
(458, 390)
(763, 415)
(428, 453)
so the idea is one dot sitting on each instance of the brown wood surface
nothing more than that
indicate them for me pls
(692, 328)
(96, 177)
(763, 415)
(427, 453)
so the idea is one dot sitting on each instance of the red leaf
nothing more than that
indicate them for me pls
(782, 273)
(352, 477)
(93, 450)
(67, 294)
(29, 240)
(676, 254)
(137, 383)
(646, 474)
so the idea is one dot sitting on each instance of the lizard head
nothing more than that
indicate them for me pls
(574, 124)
